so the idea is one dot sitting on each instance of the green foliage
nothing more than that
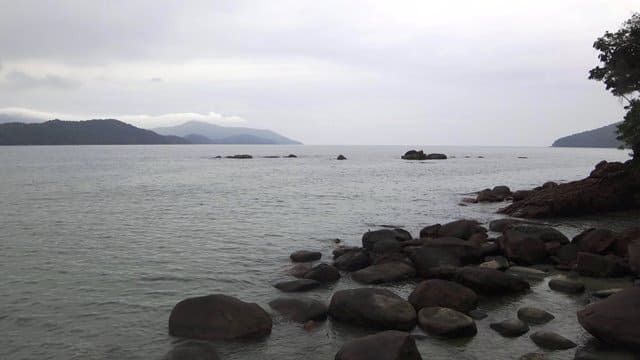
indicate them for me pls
(620, 72)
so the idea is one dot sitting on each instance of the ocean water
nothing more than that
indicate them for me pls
(98, 243)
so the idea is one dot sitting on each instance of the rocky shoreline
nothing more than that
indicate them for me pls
(456, 266)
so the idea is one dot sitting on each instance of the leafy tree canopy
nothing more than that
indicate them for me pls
(620, 72)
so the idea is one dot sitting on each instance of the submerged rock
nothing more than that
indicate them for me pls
(372, 307)
(443, 293)
(534, 316)
(565, 285)
(489, 281)
(305, 256)
(218, 317)
(551, 341)
(615, 319)
(192, 350)
(445, 322)
(510, 328)
(386, 345)
(297, 285)
(300, 309)
(239, 156)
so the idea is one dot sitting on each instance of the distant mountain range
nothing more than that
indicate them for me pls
(115, 132)
(215, 134)
(604, 137)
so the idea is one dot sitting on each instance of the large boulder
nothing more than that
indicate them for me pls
(370, 238)
(523, 248)
(461, 229)
(566, 285)
(445, 322)
(567, 254)
(497, 194)
(305, 256)
(490, 281)
(218, 317)
(323, 273)
(595, 241)
(615, 319)
(443, 293)
(444, 256)
(297, 285)
(542, 232)
(414, 155)
(500, 225)
(372, 307)
(604, 190)
(300, 309)
(534, 316)
(386, 345)
(192, 350)
(634, 256)
(299, 270)
(510, 327)
(384, 273)
(352, 260)
(600, 266)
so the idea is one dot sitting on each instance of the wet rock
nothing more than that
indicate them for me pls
(527, 272)
(377, 259)
(445, 322)
(299, 270)
(522, 194)
(500, 225)
(291, 156)
(497, 194)
(496, 263)
(343, 249)
(634, 256)
(489, 281)
(595, 241)
(605, 293)
(461, 229)
(297, 285)
(533, 356)
(510, 328)
(478, 314)
(534, 316)
(323, 273)
(430, 231)
(370, 238)
(443, 293)
(489, 248)
(192, 350)
(384, 273)
(567, 254)
(542, 232)
(567, 286)
(300, 309)
(443, 256)
(596, 350)
(600, 266)
(386, 345)
(239, 156)
(218, 317)
(386, 246)
(551, 341)
(372, 307)
(523, 248)
(436, 156)
(341, 157)
(414, 155)
(305, 256)
(352, 261)
(615, 320)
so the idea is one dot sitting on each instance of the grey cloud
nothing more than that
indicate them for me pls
(21, 81)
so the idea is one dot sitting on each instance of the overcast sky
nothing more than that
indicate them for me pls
(469, 72)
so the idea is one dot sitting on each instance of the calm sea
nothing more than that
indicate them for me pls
(97, 243)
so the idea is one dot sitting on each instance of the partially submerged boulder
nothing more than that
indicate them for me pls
(510, 327)
(372, 307)
(352, 261)
(305, 256)
(300, 309)
(615, 319)
(370, 238)
(297, 285)
(566, 285)
(551, 341)
(445, 322)
(218, 317)
(323, 273)
(534, 316)
(443, 293)
(489, 281)
(192, 350)
(386, 345)
(384, 273)
(497, 194)
(601, 266)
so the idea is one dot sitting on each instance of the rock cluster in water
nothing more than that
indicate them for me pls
(458, 266)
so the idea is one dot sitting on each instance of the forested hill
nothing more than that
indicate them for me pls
(604, 137)
(89, 132)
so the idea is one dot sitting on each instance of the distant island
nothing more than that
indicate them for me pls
(204, 133)
(115, 132)
(604, 137)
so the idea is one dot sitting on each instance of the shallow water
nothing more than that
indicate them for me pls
(99, 242)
